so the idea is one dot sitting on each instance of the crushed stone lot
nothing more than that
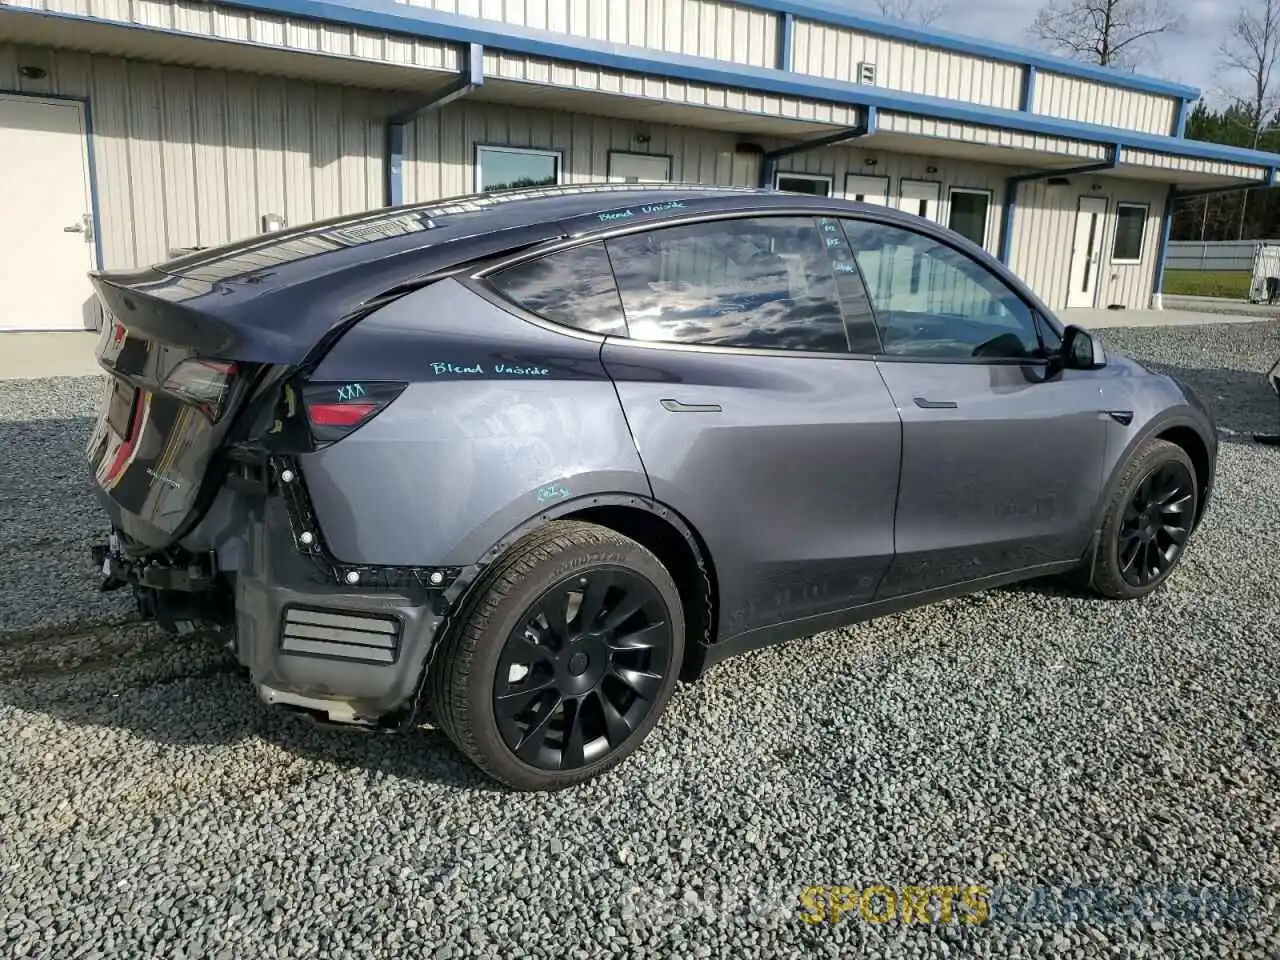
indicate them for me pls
(1043, 745)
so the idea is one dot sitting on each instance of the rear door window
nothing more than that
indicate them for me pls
(759, 283)
(573, 287)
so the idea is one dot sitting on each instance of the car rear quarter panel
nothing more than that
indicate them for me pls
(502, 419)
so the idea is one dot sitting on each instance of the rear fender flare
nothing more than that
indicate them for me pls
(471, 580)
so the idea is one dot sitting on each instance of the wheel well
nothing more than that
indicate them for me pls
(1190, 441)
(684, 561)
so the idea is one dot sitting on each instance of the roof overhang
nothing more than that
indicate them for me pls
(536, 68)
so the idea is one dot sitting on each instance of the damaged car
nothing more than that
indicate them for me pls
(516, 464)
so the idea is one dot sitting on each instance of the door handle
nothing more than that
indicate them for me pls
(675, 406)
(924, 404)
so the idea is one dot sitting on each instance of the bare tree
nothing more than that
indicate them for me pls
(1250, 53)
(1110, 33)
(917, 11)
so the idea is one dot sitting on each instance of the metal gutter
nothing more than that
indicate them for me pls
(1011, 193)
(472, 79)
(769, 161)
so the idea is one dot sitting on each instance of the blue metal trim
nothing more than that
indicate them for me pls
(419, 21)
(1011, 194)
(424, 22)
(1029, 89)
(786, 40)
(1166, 231)
(1180, 119)
(95, 214)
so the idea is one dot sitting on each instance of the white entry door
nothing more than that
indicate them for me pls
(46, 222)
(920, 197)
(638, 168)
(1091, 217)
(867, 189)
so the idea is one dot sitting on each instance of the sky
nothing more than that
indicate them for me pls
(1190, 58)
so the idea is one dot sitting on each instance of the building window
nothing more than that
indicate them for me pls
(969, 214)
(512, 168)
(1131, 224)
(811, 183)
(762, 283)
(574, 287)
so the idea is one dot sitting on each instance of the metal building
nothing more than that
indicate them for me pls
(131, 128)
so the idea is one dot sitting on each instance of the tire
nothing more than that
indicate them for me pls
(510, 625)
(1121, 572)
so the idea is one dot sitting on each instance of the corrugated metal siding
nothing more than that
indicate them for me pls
(1071, 98)
(841, 161)
(1162, 161)
(190, 158)
(1044, 235)
(571, 76)
(700, 28)
(835, 52)
(970, 133)
(248, 26)
(440, 147)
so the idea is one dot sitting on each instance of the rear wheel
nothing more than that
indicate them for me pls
(565, 659)
(1147, 522)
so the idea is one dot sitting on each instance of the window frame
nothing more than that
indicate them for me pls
(897, 201)
(475, 277)
(496, 296)
(830, 181)
(1142, 234)
(1039, 320)
(888, 188)
(557, 155)
(670, 158)
(986, 221)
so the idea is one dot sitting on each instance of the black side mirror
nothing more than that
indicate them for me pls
(1079, 352)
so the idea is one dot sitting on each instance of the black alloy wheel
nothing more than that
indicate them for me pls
(1156, 523)
(583, 668)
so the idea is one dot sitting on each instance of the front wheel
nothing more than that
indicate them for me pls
(565, 659)
(1147, 522)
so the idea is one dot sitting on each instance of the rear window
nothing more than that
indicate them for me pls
(573, 287)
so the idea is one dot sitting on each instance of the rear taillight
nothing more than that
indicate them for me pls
(202, 383)
(334, 410)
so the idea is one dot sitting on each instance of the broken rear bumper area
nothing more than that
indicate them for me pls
(343, 644)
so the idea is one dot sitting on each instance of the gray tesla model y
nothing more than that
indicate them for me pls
(517, 463)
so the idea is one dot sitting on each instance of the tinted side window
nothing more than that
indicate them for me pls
(934, 301)
(762, 283)
(574, 287)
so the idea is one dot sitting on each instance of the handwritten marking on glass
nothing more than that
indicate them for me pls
(454, 368)
(350, 391)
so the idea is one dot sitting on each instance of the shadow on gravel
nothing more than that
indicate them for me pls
(1241, 400)
(191, 693)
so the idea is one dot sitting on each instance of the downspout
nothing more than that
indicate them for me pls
(1011, 193)
(1166, 225)
(769, 160)
(786, 40)
(470, 80)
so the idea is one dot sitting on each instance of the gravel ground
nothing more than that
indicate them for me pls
(1025, 740)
